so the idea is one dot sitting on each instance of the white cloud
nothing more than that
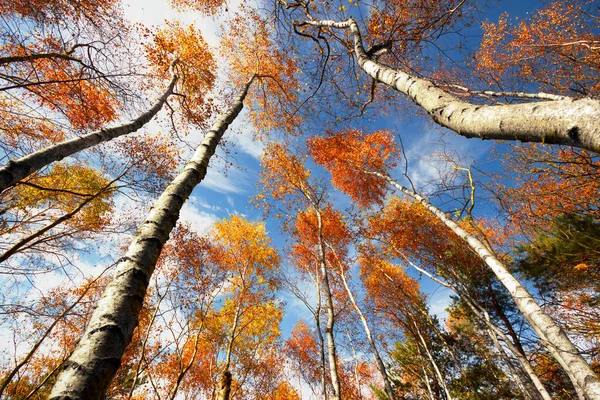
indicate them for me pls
(439, 300)
(425, 164)
(199, 221)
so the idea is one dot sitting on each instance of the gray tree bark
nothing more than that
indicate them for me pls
(554, 338)
(97, 356)
(16, 170)
(570, 122)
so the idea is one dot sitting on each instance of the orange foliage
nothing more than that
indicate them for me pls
(59, 10)
(346, 155)
(283, 391)
(410, 228)
(195, 67)
(302, 348)
(335, 234)
(250, 50)
(556, 47)
(410, 21)
(206, 7)
(283, 175)
(83, 99)
(550, 183)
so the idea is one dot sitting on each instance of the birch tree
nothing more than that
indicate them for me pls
(560, 346)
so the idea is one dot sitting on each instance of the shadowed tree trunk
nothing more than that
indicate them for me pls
(554, 338)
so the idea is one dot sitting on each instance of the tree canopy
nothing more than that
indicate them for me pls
(299, 199)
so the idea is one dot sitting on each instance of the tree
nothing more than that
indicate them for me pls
(68, 63)
(558, 343)
(562, 121)
(111, 327)
(285, 178)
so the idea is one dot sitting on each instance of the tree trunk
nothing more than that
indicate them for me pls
(16, 170)
(483, 315)
(568, 122)
(224, 386)
(436, 369)
(331, 351)
(97, 356)
(528, 394)
(380, 364)
(555, 339)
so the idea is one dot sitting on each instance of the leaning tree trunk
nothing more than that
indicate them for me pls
(97, 356)
(571, 122)
(16, 170)
(555, 339)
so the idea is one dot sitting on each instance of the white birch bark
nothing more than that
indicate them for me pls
(331, 350)
(568, 122)
(16, 170)
(97, 356)
(483, 315)
(555, 339)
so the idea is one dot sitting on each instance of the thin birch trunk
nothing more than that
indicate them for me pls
(513, 370)
(317, 315)
(225, 378)
(331, 351)
(97, 355)
(380, 364)
(427, 384)
(568, 122)
(47, 332)
(16, 170)
(557, 342)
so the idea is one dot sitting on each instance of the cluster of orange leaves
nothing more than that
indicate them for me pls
(410, 228)
(58, 10)
(206, 7)
(283, 174)
(550, 183)
(250, 50)
(195, 66)
(335, 234)
(347, 155)
(556, 47)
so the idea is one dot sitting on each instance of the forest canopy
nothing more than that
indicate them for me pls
(285, 200)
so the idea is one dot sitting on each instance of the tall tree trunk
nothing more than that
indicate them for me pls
(484, 316)
(225, 378)
(528, 394)
(16, 170)
(317, 315)
(331, 351)
(97, 356)
(568, 122)
(555, 339)
(224, 386)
